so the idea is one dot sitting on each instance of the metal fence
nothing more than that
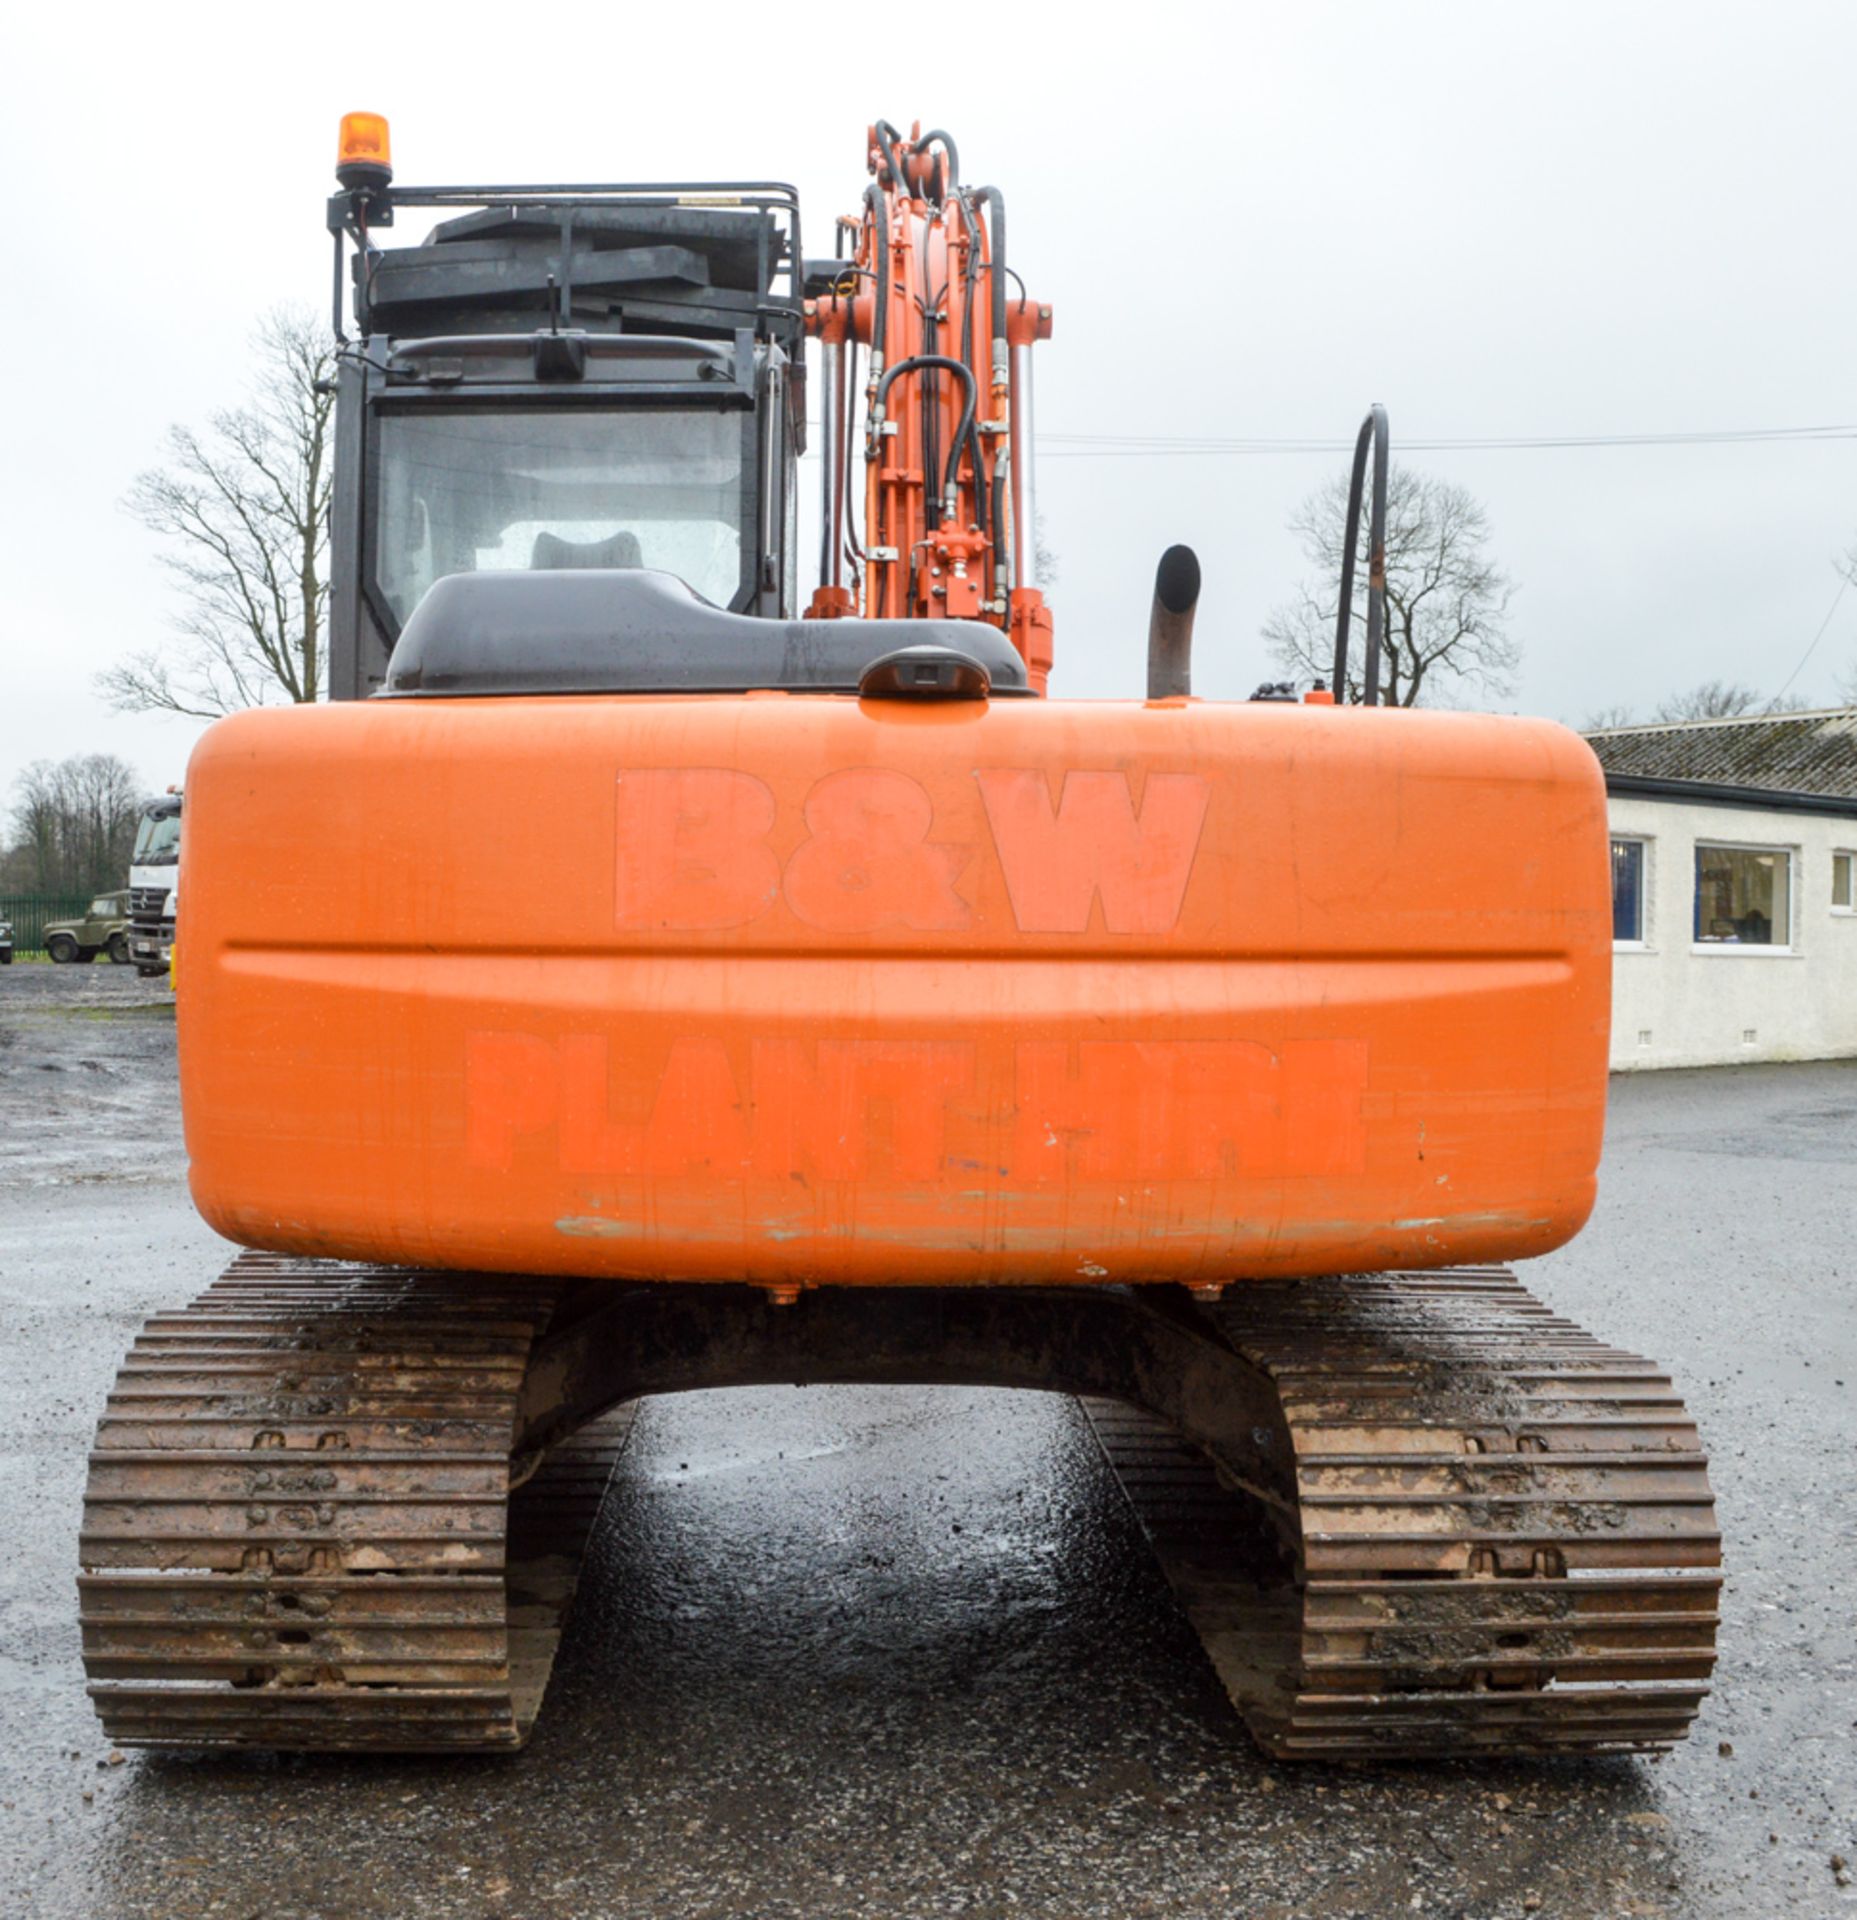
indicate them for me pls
(29, 913)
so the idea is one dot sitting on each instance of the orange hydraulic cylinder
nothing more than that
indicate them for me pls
(806, 990)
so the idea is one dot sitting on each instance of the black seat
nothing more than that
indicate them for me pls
(552, 554)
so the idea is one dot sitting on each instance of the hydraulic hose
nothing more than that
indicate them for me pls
(1002, 381)
(943, 363)
(970, 273)
(929, 139)
(887, 137)
(931, 421)
(997, 201)
(880, 245)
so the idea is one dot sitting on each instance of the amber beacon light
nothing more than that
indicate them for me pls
(364, 152)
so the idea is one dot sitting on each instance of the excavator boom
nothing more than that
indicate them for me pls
(948, 525)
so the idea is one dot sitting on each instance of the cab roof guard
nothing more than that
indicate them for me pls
(357, 211)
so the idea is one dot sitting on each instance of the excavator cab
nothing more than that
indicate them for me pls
(606, 378)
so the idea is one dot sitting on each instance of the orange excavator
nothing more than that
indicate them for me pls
(630, 983)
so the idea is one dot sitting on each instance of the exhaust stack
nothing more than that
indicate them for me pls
(1170, 625)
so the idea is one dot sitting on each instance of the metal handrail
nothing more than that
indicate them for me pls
(349, 212)
(1374, 431)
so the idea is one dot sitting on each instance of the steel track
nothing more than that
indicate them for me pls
(299, 1531)
(1505, 1540)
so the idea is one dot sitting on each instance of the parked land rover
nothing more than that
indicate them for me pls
(103, 928)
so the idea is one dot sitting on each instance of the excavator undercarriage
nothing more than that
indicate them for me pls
(1410, 1515)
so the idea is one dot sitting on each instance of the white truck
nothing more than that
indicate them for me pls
(154, 884)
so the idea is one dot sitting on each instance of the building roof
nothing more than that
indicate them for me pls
(1790, 755)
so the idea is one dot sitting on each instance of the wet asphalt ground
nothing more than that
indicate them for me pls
(902, 1652)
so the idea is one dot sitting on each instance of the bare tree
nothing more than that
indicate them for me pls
(74, 823)
(1712, 700)
(1044, 555)
(1447, 603)
(1601, 718)
(244, 510)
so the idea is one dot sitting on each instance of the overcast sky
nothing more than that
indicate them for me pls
(1501, 221)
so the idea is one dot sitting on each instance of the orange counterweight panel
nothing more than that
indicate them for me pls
(802, 989)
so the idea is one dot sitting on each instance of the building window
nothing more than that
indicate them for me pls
(1844, 883)
(1744, 896)
(1628, 892)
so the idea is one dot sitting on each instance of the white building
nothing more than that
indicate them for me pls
(1734, 888)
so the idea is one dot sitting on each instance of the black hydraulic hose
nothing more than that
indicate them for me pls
(998, 257)
(950, 149)
(880, 244)
(887, 137)
(969, 275)
(942, 362)
(1373, 432)
(931, 413)
(931, 437)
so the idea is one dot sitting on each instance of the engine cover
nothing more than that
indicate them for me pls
(802, 989)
